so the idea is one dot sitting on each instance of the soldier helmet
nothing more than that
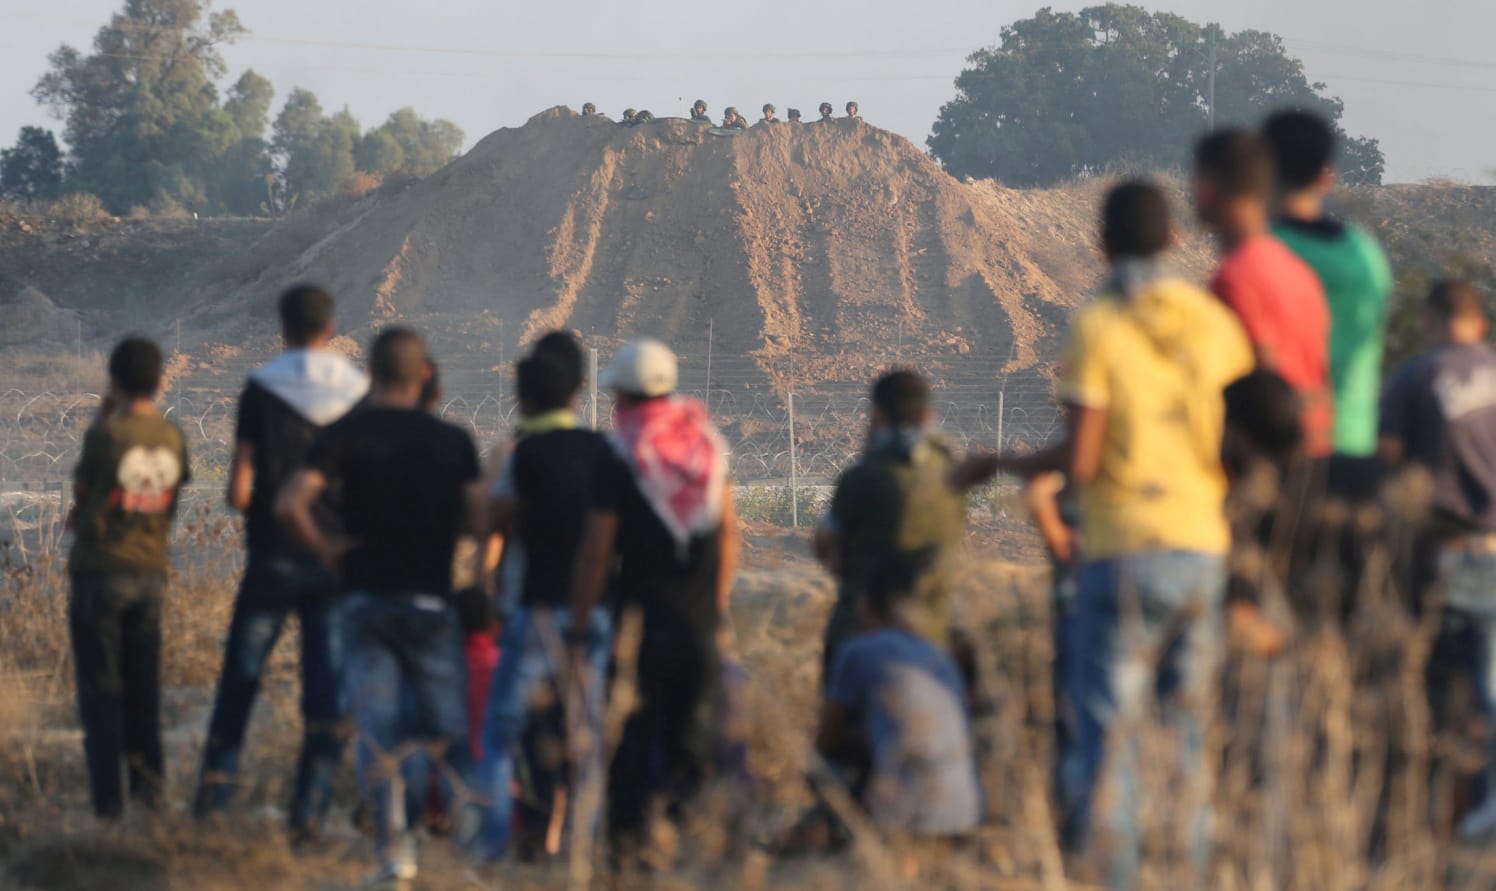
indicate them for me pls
(793, 114)
(699, 105)
(769, 108)
(644, 116)
(730, 111)
(589, 108)
(851, 108)
(826, 108)
(629, 114)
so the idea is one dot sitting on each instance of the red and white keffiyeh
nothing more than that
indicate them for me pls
(679, 462)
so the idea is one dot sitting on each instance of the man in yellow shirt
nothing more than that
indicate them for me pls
(1143, 379)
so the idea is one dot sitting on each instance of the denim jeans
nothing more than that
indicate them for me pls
(1468, 580)
(273, 589)
(528, 657)
(1147, 631)
(406, 686)
(115, 622)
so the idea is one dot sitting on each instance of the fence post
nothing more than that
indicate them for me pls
(794, 472)
(592, 383)
(1002, 398)
(711, 325)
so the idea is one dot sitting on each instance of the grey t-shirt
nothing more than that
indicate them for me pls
(1442, 407)
(910, 699)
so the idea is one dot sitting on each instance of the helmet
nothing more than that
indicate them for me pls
(793, 114)
(589, 108)
(730, 111)
(826, 108)
(644, 116)
(699, 105)
(629, 114)
(851, 108)
(769, 108)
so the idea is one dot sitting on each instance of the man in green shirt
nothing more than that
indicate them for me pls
(133, 465)
(902, 498)
(1356, 276)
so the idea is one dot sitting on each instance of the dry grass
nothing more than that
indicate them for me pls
(1304, 824)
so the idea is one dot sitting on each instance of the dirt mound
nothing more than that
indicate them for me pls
(820, 252)
(31, 317)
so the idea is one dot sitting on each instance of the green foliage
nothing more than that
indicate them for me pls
(1074, 93)
(408, 144)
(33, 169)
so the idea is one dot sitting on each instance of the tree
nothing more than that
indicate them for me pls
(236, 175)
(33, 169)
(315, 151)
(141, 112)
(1073, 93)
(408, 144)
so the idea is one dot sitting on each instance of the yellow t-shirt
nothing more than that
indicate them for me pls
(1157, 364)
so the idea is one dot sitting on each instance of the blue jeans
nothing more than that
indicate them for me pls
(1469, 584)
(406, 686)
(1147, 630)
(528, 657)
(272, 589)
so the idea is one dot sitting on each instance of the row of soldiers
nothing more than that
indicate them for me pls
(731, 119)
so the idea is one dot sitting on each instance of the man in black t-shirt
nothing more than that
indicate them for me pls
(540, 504)
(402, 481)
(662, 507)
(283, 407)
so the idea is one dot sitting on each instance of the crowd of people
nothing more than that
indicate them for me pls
(731, 118)
(610, 557)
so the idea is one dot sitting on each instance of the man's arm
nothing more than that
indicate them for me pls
(593, 559)
(242, 477)
(293, 508)
(1078, 455)
(730, 545)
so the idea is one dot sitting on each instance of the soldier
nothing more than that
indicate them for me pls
(769, 115)
(852, 110)
(794, 115)
(588, 109)
(630, 117)
(731, 120)
(643, 117)
(698, 112)
(827, 112)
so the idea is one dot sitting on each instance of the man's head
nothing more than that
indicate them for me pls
(1303, 147)
(431, 390)
(1233, 180)
(135, 369)
(731, 113)
(398, 367)
(793, 114)
(543, 384)
(901, 399)
(851, 109)
(564, 349)
(890, 590)
(1135, 221)
(1262, 420)
(306, 316)
(826, 109)
(699, 106)
(588, 109)
(644, 369)
(1455, 313)
(768, 111)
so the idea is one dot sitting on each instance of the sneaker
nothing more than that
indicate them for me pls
(399, 866)
(1479, 824)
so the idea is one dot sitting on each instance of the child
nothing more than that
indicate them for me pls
(133, 465)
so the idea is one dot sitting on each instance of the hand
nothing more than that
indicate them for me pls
(331, 556)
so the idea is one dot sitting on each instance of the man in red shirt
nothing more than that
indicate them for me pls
(1278, 298)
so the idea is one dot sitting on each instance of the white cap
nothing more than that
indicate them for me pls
(645, 368)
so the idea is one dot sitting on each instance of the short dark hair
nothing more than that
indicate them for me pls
(566, 350)
(305, 312)
(543, 383)
(893, 578)
(903, 397)
(1237, 161)
(1266, 409)
(1456, 299)
(397, 358)
(1303, 146)
(431, 390)
(1135, 220)
(135, 367)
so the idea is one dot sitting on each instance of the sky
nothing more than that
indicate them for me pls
(1417, 76)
